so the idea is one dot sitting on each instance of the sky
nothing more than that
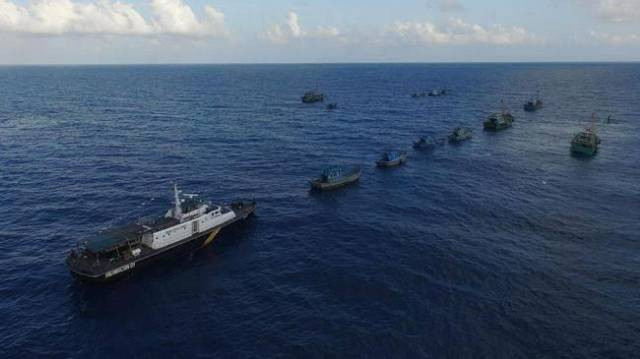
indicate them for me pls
(293, 31)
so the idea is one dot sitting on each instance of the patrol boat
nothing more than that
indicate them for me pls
(587, 141)
(189, 224)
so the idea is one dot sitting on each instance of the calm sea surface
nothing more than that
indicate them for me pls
(504, 246)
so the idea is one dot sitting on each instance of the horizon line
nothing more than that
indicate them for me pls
(328, 63)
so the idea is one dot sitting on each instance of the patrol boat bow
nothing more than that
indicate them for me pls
(190, 224)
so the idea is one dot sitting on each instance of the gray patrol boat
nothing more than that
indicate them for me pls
(188, 225)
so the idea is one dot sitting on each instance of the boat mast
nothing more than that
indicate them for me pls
(177, 210)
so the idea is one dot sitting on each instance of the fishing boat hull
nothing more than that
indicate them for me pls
(424, 145)
(498, 121)
(312, 98)
(318, 184)
(490, 126)
(530, 107)
(397, 162)
(456, 140)
(580, 149)
(106, 271)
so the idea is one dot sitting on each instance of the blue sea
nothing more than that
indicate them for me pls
(505, 246)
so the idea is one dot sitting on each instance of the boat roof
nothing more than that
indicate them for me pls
(392, 155)
(333, 171)
(585, 134)
(191, 203)
(115, 237)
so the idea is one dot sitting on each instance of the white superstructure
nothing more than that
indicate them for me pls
(195, 218)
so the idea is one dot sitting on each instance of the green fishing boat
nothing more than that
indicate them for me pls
(499, 120)
(586, 142)
(312, 97)
(533, 105)
(392, 159)
(460, 134)
(336, 176)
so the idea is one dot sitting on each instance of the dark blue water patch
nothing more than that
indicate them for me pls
(502, 246)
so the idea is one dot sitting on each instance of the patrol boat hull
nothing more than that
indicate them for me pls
(92, 269)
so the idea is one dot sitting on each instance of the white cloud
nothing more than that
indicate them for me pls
(56, 17)
(615, 39)
(457, 32)
(323, 32)
(284, 33)
(614, 10)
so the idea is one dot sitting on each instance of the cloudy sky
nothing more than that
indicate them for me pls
(223, 31)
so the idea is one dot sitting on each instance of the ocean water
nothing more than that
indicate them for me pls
(503, 246)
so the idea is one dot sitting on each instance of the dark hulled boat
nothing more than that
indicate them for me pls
(424, 143)
(533, 105)
(189, 225)
(498, 121)
(335, 177)
(460, 134)
(312, 96)
(437, 93)
(586, 142)
(392, 159)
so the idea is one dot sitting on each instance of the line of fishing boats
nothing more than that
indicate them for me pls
(585, 142)
(192, 223)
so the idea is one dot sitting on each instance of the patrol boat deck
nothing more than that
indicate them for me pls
(190, 224)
